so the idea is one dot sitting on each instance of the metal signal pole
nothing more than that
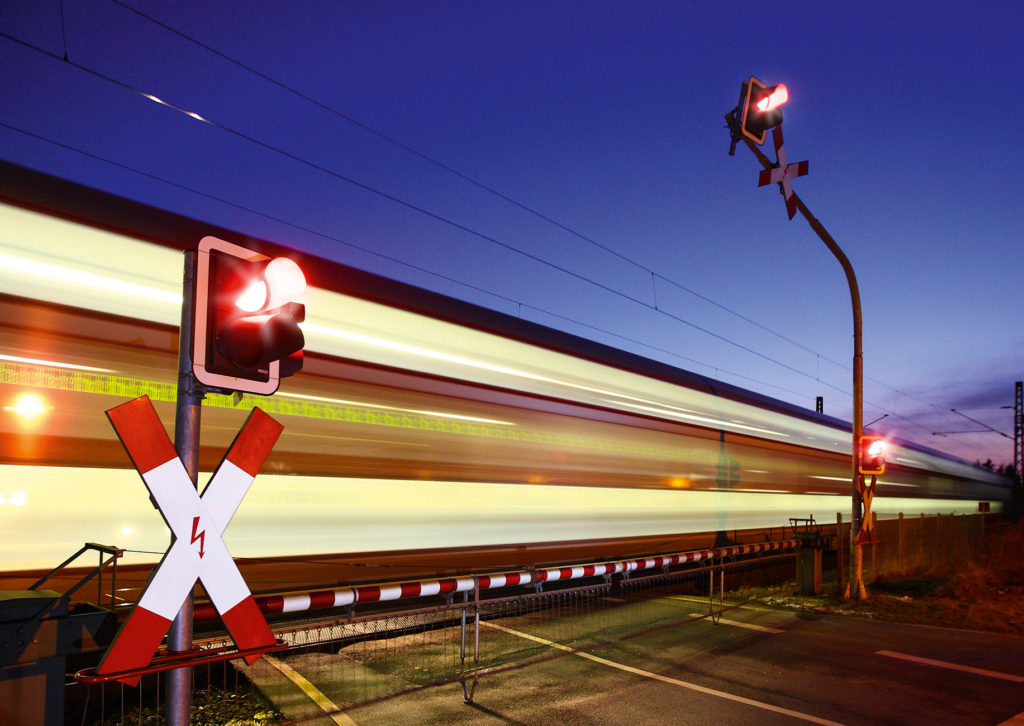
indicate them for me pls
(857, 589)
(186, 441)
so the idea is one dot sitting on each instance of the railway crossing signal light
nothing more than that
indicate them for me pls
(246, 318)
(871, 458)
(760, 108)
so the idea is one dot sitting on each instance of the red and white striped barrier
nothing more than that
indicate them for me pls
(342, 597)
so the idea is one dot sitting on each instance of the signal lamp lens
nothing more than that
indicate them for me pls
(774, 99)
(285, 280)
(253, 298)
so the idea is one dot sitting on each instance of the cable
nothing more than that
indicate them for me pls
(388, 258)
(491, 190)
(438, 217)
(390, 197)
(455, 172)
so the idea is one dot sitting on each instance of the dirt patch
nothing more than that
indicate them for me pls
(986, 593)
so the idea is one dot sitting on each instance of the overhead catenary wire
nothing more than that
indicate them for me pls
(409, 205)
(457, 225)
(388, 258)
(447, 278)
(459, 174)
(500, 195)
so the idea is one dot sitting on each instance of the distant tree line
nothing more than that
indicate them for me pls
(1007, 470)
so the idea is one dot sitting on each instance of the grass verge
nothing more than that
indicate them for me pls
(985, 592)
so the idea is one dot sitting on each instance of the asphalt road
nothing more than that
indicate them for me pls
(756, 666)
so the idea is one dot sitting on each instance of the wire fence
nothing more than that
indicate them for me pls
(336, 665)
(908, 545)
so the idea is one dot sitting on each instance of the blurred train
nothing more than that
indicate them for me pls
(419, 424)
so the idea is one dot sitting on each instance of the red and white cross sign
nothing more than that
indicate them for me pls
(197, 551)
(783, 172)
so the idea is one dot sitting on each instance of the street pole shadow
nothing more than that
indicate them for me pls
(495, 714)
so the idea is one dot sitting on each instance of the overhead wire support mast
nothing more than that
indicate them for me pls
(1018, 445)
(735, 120)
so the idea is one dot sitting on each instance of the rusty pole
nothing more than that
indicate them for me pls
(857, 589)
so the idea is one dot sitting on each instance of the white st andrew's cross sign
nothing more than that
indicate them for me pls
(783, 172)
(197, 551)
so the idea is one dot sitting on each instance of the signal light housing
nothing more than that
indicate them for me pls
(246, 335)
(760, 108)
(871, 458)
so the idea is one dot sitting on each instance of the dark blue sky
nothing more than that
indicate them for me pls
(377, 133)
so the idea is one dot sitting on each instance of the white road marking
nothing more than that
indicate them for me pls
(742, 606)
(315, 694)
(665, 679)
(741, 624)
(727, 622)
(734, 623)
(952, 666)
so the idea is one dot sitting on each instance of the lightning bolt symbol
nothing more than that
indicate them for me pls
(201, 536)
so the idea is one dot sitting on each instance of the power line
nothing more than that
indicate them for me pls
(455, 172)
(344, 178)
(360, 248)
(491, 190)
(417, 268)
(409, 205)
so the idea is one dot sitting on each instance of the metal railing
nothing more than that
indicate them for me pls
(113, 553)
(482, 625)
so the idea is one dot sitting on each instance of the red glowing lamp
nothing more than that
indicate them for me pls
(760, 108)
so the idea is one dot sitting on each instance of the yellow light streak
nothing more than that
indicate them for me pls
(440, 414)
(340, 514)
(93, 264)
(52, 273)
(52, 363)
(130, 387)
(394, 345)
(702, 419)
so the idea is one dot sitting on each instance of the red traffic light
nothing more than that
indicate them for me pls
(282, 281)
(871, 459)
(778, 96)
(760, 108)
(247, 334)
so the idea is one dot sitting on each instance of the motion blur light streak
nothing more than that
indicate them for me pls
(52, 272)
(418, 423)
(702, 419)
(87, 266)
(38, 376)
(375, 342)
(52, 363)
(441, 414)
(286, 516)
(329, 322)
